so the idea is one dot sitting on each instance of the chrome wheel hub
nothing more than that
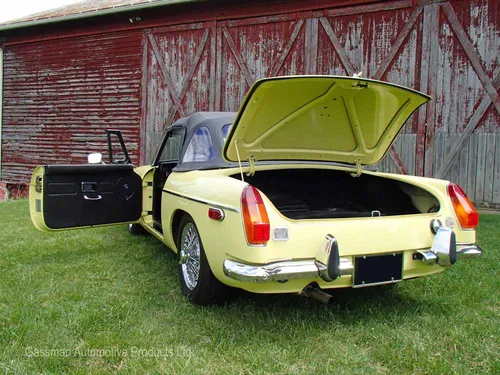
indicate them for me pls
(189, 256)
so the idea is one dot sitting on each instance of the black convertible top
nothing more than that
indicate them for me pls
(214, 122)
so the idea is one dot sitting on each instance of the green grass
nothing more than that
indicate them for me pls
(102, 289)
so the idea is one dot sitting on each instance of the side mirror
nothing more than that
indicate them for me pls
(95, 158)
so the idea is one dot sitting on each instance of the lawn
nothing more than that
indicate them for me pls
(101, 301)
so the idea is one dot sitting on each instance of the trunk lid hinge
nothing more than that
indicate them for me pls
(251, 160)
(359, 169)
(239, 160)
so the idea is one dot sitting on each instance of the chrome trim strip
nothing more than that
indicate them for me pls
(279, 271)
(215, 205)
(377, 284)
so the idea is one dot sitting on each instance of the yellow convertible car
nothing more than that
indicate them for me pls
(277, 198)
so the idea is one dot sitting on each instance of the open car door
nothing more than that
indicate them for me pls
(85, 195)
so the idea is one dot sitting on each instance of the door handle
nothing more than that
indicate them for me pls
(87, 198)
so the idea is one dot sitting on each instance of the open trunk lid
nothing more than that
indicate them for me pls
(322, 118)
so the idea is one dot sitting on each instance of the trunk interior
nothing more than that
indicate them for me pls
(321, 194)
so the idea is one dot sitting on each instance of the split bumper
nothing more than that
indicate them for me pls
(328, 265)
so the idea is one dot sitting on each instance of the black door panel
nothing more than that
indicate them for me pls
(87, 195)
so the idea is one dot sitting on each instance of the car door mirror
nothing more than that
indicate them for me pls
(95, 158)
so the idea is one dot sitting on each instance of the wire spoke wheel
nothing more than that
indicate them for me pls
(190, 250)
(198, 283)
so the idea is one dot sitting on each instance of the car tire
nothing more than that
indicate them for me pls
(204, 289)
(136, 229)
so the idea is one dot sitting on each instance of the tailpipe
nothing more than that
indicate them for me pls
(317, 294)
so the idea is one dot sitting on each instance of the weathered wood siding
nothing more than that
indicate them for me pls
(59, 96)
(450, 50)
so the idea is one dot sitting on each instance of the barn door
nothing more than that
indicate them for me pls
(449, 50)
(463, 134)
(382, 42)
(178, 71)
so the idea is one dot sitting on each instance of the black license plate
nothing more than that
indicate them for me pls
(378, 269)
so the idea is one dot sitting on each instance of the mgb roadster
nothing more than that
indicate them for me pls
(280, 197)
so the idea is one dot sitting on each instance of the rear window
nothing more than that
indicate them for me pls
(200, 147)
(225, 132)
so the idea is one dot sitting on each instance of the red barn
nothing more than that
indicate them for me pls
(137, 66)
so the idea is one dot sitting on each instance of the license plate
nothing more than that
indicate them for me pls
(378, 269)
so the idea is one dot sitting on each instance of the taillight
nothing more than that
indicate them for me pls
(465, 210)
(255, 217)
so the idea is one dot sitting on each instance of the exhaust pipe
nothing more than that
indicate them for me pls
(317, 294)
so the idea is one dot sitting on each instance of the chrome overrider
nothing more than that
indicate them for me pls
(445, 251)
(328, 265)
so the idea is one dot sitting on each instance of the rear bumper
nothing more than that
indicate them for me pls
(312, 268)
(468, 250)
(282, 271)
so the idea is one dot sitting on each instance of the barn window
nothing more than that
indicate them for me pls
(200, 147)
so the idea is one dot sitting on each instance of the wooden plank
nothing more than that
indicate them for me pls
(177, 28)
(439, 146)
(371, 8)
(496, 171)
(424, 83)
(144, 106)
(219, 67)
(284, 54)
(213, 66)
(262, 20)
(338, 47)
(397, 44)
(480, 170)
(463, 165)
(455, 169)
(409, 153)
(470, 187)
(311, 46)
(472, 54)
(427, 2)
(489, 165)
(431, 89)
(166, 75)
(237, 55)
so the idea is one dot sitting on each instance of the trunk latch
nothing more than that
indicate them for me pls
(251, 161)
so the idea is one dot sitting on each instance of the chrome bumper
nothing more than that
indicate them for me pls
(445, 251)
(282, 271)
(328, 265)
(468, 250)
